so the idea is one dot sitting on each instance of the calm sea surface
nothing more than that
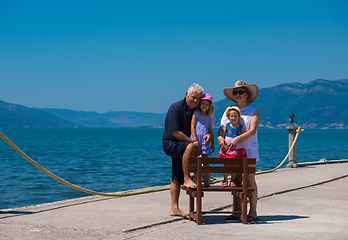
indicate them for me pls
(112, 160)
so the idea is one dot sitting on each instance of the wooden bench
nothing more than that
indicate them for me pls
(241, 166)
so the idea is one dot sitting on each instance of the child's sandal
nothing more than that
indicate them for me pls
(225, 183)
(206, 184)
(232, 184)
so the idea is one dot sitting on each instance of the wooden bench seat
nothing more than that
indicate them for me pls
(199, 165)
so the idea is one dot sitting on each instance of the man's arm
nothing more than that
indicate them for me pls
(180, 136)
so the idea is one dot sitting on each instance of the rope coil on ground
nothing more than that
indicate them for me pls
(298, 131)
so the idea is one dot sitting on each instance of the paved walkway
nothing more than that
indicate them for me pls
(305, 203)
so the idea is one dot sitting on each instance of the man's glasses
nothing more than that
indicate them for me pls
(240, 92)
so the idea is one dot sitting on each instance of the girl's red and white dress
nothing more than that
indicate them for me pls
(238, 151)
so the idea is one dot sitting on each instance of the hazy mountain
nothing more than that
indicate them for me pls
(317, 104)
(13, 115)
(135, 119)
(109, 119)
(82, 118)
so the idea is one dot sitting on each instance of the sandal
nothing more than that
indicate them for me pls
(250, 219)
(232, 217)
(225, 183)
(232, 184)
(206, 184)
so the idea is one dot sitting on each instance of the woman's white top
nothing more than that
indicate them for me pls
(247, 113)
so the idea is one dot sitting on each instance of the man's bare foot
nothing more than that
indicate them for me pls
(189, 184)
(179, 213)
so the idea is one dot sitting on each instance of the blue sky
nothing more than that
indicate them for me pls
(143, 55)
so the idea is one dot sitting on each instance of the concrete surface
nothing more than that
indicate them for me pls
(305, 203)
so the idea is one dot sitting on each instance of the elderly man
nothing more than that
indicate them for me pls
(177, 144)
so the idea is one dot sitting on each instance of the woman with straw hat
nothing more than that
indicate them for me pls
(244, 94)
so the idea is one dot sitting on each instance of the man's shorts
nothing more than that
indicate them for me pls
(176, 151)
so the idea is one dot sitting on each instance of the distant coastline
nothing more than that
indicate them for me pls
(319, 104)
(335, 126)
(307, 126)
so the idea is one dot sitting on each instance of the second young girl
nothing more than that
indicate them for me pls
(231, 130)
(202, 124)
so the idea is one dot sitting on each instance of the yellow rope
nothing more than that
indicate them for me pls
(298, 131)
(75, 186)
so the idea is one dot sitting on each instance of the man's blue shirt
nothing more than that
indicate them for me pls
(178, 119)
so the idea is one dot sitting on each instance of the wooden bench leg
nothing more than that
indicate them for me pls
(191, 207)
(199, 209)
(244, 210)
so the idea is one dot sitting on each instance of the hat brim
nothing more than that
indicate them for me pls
(253, 91)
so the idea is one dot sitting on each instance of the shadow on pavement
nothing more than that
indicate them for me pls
(268, 219)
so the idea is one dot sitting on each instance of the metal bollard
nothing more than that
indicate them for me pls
(293, 154)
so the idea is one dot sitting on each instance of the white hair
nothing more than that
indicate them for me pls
(196, 87)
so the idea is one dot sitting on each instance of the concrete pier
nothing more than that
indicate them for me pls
(310, 202)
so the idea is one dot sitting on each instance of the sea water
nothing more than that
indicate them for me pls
(113, 160)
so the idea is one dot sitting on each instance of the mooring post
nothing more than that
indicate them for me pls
(292, 133)
(293, 154)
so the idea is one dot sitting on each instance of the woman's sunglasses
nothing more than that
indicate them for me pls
(240, 92)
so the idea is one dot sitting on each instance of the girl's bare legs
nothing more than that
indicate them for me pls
(225, 182)
(206, 175)
(225, 176)
(233, 179)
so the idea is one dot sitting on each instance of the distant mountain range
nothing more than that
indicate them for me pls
(13, 115)
(109, 119)
(317, 104)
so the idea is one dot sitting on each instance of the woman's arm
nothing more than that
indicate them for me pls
(221, 138)
(254, 124)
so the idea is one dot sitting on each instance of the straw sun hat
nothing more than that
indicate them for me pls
(229, 109)
(252, 88)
